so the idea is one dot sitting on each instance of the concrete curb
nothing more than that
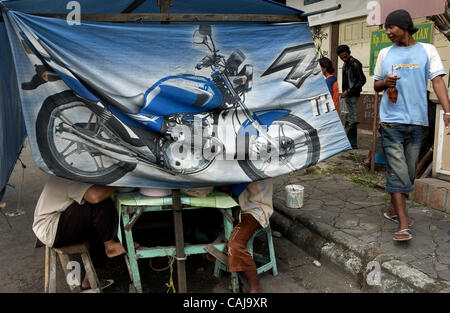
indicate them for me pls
(373, 270)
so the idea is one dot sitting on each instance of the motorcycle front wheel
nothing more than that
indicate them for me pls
(298, 146)
(59, 117)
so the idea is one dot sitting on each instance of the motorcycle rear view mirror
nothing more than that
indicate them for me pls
(205, 30)
(201, 35)
(198, 38)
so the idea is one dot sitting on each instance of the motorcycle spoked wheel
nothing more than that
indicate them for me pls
(69, 159)
(299, 145)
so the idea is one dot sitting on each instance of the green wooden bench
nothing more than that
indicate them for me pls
(132, 205)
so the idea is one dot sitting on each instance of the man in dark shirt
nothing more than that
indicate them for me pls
(353, 79)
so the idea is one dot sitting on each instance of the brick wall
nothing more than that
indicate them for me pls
(432, 192)
(364, 111)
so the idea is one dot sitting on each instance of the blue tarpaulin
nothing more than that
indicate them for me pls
(12, 133)
(167, 106)
(151, 6)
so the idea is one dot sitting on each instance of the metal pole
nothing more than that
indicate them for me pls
(374, 134)
(306, 14)
(133, 6)
(2, 7)
(179, 241)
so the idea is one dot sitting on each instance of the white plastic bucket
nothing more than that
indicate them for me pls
(294, 196)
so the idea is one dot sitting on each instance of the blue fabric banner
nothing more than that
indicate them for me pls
(172, 106)
(12, 132)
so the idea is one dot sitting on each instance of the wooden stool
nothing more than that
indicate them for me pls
(63, 254)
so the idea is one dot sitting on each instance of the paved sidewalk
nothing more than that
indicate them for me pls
(342, 222)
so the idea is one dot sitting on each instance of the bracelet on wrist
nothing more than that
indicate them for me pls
(446, 113)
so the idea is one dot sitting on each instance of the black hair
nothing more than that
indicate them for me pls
(342, 48)
(326, 63)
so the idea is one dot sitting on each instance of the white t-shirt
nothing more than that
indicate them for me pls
(57, 195)
(415, 65)
(256, 200)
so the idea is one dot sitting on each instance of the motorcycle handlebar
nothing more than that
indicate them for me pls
(205, 62)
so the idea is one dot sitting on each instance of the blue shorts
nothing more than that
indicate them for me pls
(401, 147)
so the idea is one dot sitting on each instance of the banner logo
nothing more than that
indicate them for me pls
(302, 61)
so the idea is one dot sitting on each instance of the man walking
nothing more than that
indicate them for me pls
(406, 66)
(353, 79)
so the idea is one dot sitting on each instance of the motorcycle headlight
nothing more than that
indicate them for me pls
(234, 61)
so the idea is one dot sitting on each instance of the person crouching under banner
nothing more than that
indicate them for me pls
(256, 209)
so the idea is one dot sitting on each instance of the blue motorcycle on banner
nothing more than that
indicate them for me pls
(181, 125)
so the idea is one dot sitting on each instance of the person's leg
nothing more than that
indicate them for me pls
(97, 254)
(352, 135)
(351, 107)
(105, 223)
(398, 182)
(239, 259)
(102, 235)
(413, 143)
(96, 224)
(352, 132)
(74, 226)
(366, 161)
(391, 212)
(398, 201)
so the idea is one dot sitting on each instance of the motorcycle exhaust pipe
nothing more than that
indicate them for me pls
(121, 155)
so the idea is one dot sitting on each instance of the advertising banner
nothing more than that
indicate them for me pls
(172, 106)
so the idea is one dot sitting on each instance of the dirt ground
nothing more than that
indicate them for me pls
(22, 265)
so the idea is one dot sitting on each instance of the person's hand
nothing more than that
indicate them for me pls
(391, 81)
(447, 123)
(344, 94)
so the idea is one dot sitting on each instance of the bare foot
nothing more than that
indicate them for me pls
(255, 289)
(113, 248)
(391, 212)
(85, 283)
(252, 278)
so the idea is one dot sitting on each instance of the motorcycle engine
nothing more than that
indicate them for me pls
(182, 158)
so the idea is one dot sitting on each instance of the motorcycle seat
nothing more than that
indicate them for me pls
(131, 104)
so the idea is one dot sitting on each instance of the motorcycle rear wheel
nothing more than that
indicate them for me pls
(52, 149)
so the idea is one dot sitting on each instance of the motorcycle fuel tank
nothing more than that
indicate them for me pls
(182, 94)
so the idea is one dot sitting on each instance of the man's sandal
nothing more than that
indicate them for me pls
(402, 236)
(105, 283)
(394, 218)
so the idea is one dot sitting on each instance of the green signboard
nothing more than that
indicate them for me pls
(379, 40)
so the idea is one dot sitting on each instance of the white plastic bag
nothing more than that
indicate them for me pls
(343, 106)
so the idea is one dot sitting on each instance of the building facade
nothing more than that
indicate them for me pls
(348, 25)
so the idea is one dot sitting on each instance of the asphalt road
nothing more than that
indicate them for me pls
(22, 265)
